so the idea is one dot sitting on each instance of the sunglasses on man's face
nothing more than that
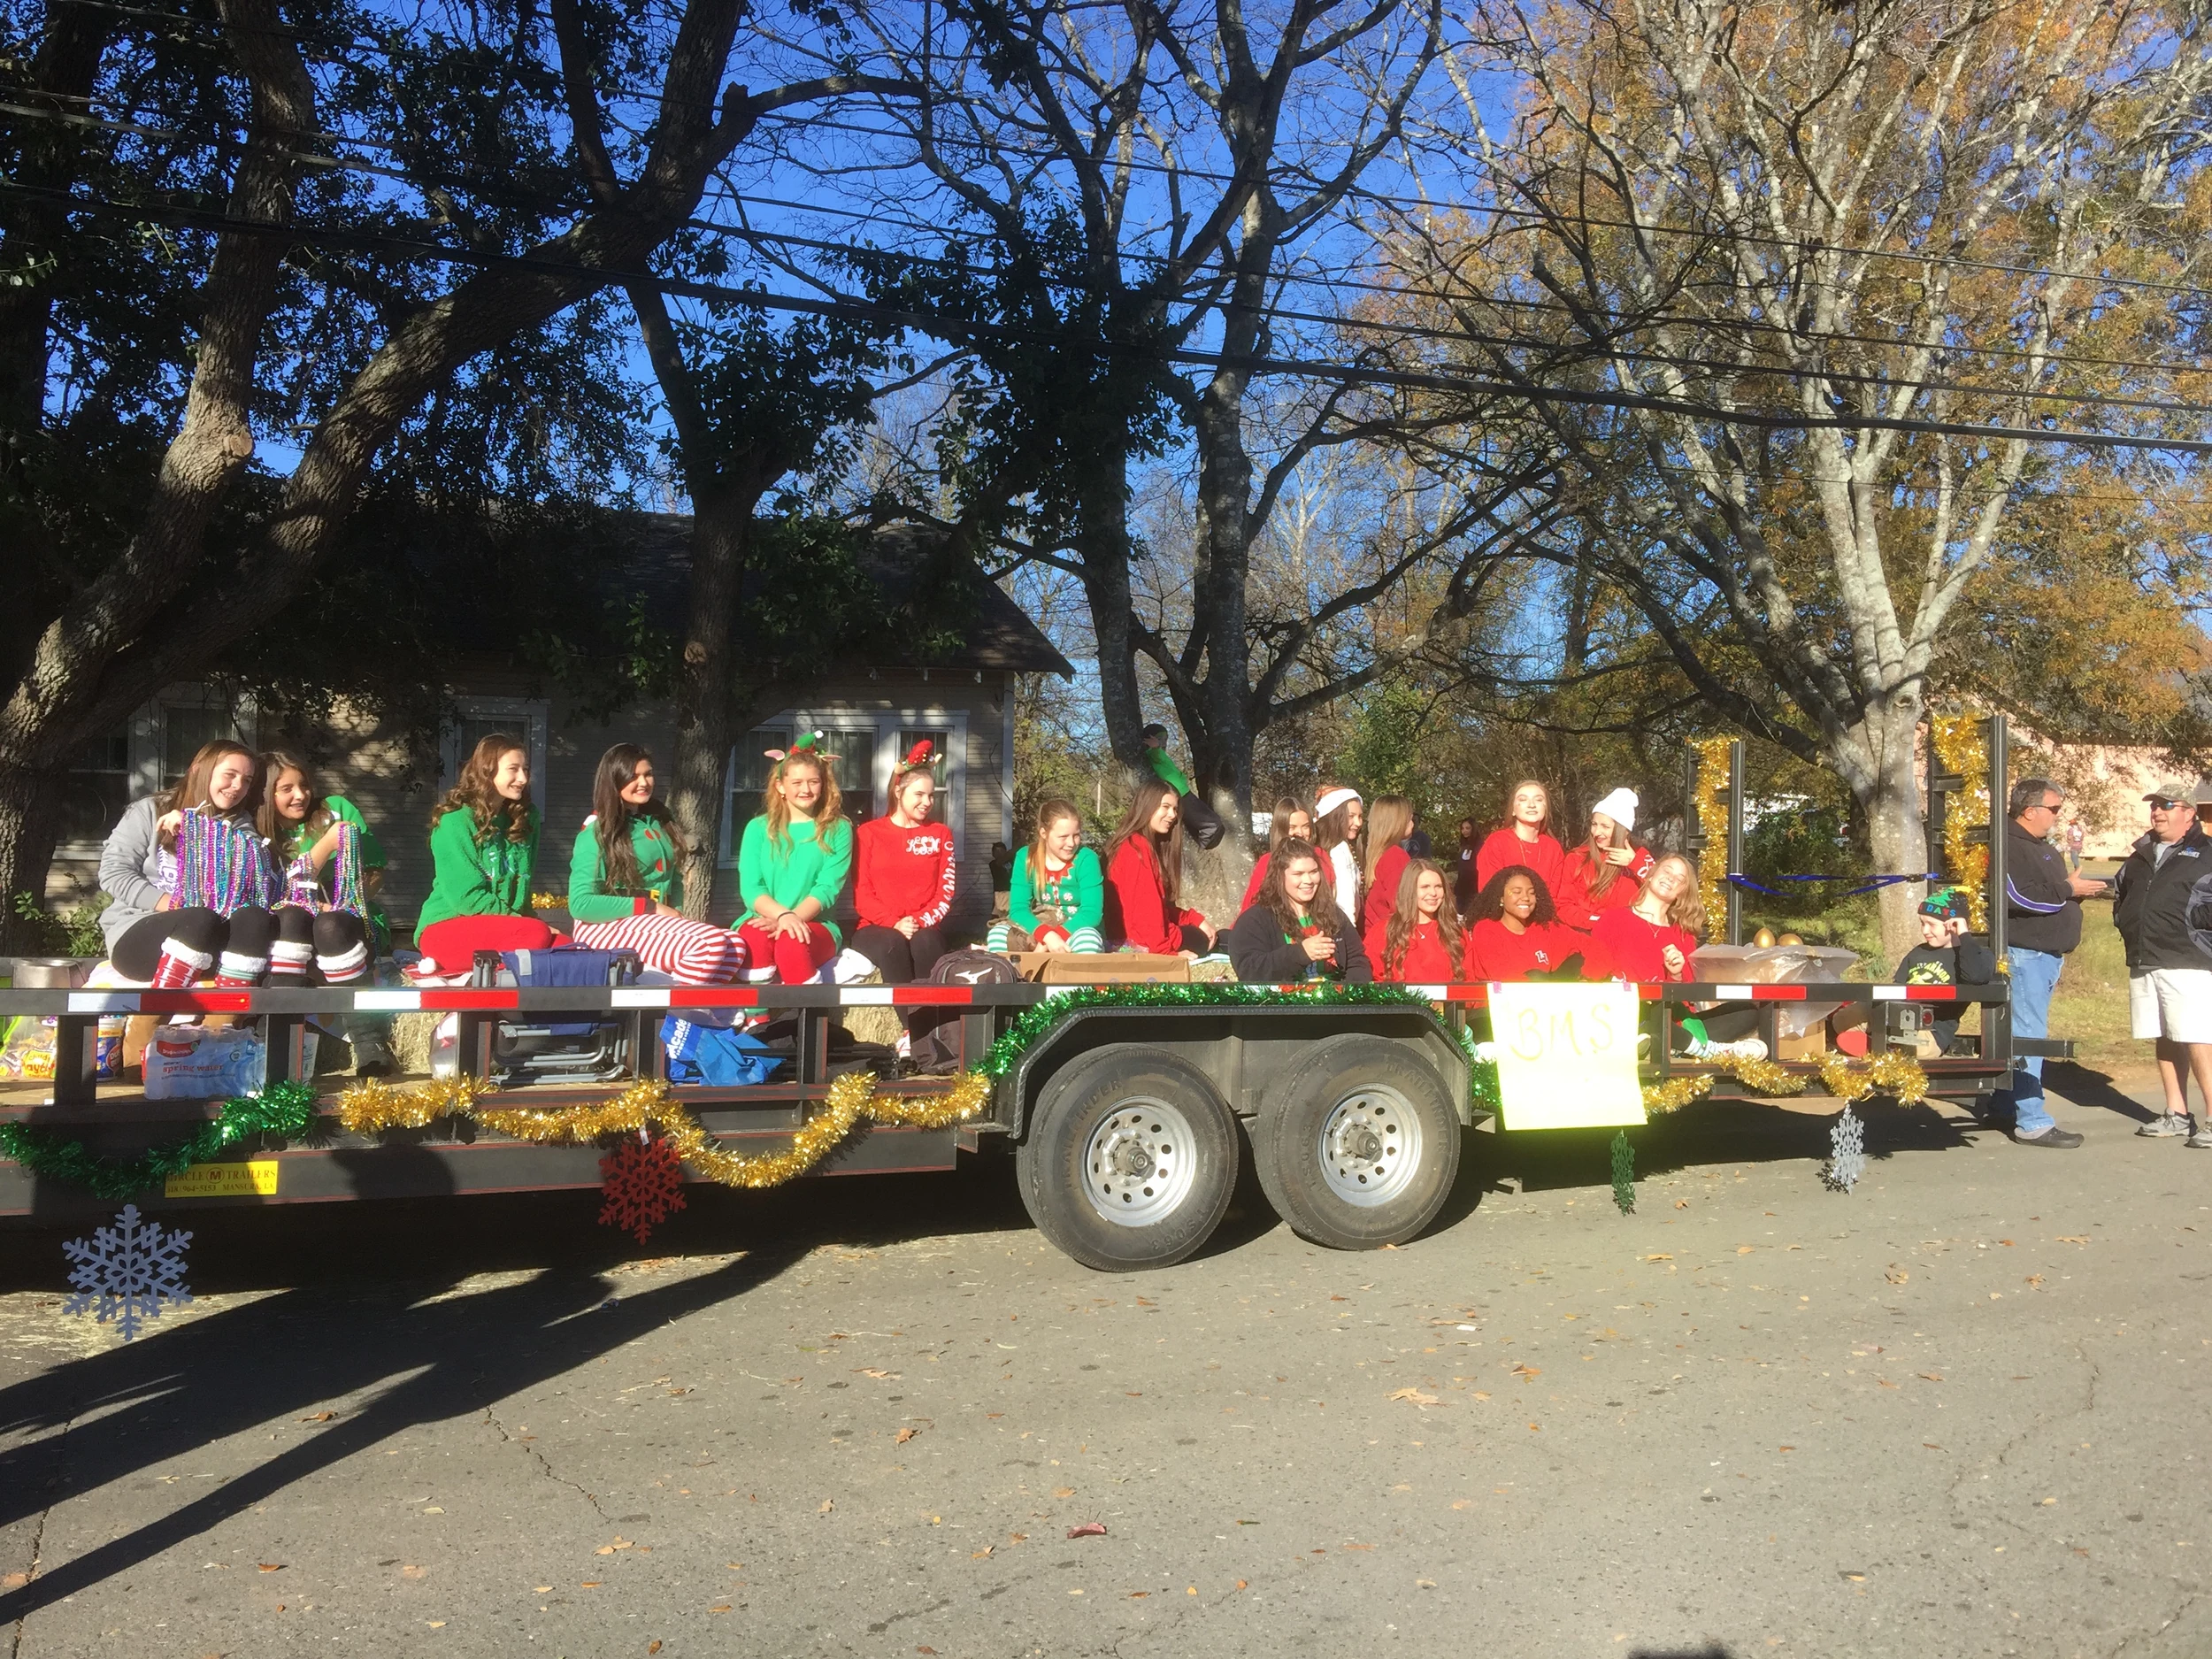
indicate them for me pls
(2167, 806)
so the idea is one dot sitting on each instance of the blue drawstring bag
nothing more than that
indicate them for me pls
(708, 1054)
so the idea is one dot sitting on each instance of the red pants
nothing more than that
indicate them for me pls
(454, 942)
(795, 960)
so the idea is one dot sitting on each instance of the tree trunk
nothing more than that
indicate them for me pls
(1888, 791)
(1224, 559)
(30, 816)
(1104, 548)
(720, 528)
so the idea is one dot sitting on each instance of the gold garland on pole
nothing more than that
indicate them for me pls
(1708, 799)
(373, 1107)
(1961, 748)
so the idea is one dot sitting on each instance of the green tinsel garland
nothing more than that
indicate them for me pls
(1624, 1174)
(284, 1110)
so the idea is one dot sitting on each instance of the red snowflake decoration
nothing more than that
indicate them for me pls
(642, 1181)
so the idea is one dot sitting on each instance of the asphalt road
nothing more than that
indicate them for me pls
(1958, 1411)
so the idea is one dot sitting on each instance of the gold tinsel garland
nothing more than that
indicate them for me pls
(1961, 748)
(373, 1107)
(1895, 1073)
(1709, 800)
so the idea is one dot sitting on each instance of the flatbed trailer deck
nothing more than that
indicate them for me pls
(1125, 1120)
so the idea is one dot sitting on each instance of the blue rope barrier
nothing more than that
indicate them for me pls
(1870, 884)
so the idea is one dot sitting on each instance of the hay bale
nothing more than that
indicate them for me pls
(409, 1040)
(1212, 972)
(873, 1025)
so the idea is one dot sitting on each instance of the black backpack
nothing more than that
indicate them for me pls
(934, 1033)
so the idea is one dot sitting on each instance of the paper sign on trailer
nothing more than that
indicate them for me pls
(1567, 1056)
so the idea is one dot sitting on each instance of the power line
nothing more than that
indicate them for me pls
(1341, 374)
(1535, 220)
(1468, 336)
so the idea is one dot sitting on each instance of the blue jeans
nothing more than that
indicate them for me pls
(2034, 976)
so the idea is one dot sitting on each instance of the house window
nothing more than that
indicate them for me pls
(149, 752)
(479, 718)
(868, 746)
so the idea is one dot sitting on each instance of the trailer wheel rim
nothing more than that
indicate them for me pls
(1140, 1163)
(1370, 1147)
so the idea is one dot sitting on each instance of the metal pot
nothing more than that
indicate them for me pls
(52, 973)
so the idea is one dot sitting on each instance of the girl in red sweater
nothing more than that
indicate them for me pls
(1388, 825)
(1605, 872)
(1294, 821)
(1523, 839)
(902, 876)
(1419, 942)
(1652, 938)
(1144, 879)
(1517, 934)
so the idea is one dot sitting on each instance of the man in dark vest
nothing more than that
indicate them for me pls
(2170, 970)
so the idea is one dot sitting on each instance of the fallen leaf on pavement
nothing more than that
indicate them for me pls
(319, 1416)
(540, 1589)
(2072, 1238)
(1896, 1275)
(1359, 1547)
(724, 1607)
(827, 1505)
(271, 1566)
(1017, 1538)
(1528, 1373)
(1929, 1376)
(1089, 1529)
(412, 1572)
(1063, 1492)
(1743, 1249)
(654, 1646)
(978, 1554)
(881, 1376)
(1414, 1395)
(904, 1435)
(1240, 1584)
(1660, 1256)
(1480, 1395)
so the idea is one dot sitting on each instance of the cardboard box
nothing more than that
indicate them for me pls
(1811, 1046)
(1110, 967)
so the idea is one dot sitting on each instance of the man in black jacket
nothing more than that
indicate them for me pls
(2169, 974)
(2042, 923)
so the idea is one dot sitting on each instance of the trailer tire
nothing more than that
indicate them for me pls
(1357, 1145)
(1130, 1159)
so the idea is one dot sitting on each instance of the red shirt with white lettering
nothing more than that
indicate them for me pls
(1494, 952)
(900, 871)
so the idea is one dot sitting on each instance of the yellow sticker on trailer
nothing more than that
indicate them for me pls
(254, 1180)
(1567, 1056)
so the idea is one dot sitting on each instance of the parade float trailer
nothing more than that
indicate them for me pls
(1125, 1107)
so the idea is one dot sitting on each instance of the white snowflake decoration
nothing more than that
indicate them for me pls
(1847, 1160)
(128, 1272)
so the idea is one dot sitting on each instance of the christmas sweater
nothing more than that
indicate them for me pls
(1382, 893)
(812, 864)
(1136, 900)
(468, 878)
(1503, 848)
(900, 871)
(1579, 906)
(1426, 960)
(659, 873)
(1496, 953)
(1071, 898)
(1636, 950)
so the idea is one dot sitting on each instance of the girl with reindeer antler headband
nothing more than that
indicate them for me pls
(792, 864)
(903, 874)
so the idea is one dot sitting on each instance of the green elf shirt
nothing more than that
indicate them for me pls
(469, 878)
(371, 858)
(1077, 894)
(812, 864)
(591, 899)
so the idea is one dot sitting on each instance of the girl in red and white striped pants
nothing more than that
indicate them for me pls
(625, 880)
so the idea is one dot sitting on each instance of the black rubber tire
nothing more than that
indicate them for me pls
(1071, 1108)
(1286, 1142)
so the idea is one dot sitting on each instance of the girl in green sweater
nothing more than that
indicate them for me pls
(625, 879)
(483, 848)
(792, 864)
(1058, 896)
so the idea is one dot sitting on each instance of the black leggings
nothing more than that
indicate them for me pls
(249, 936)
(901, 960)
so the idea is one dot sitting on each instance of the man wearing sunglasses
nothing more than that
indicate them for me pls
(2169, 966)
(2042, 923)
